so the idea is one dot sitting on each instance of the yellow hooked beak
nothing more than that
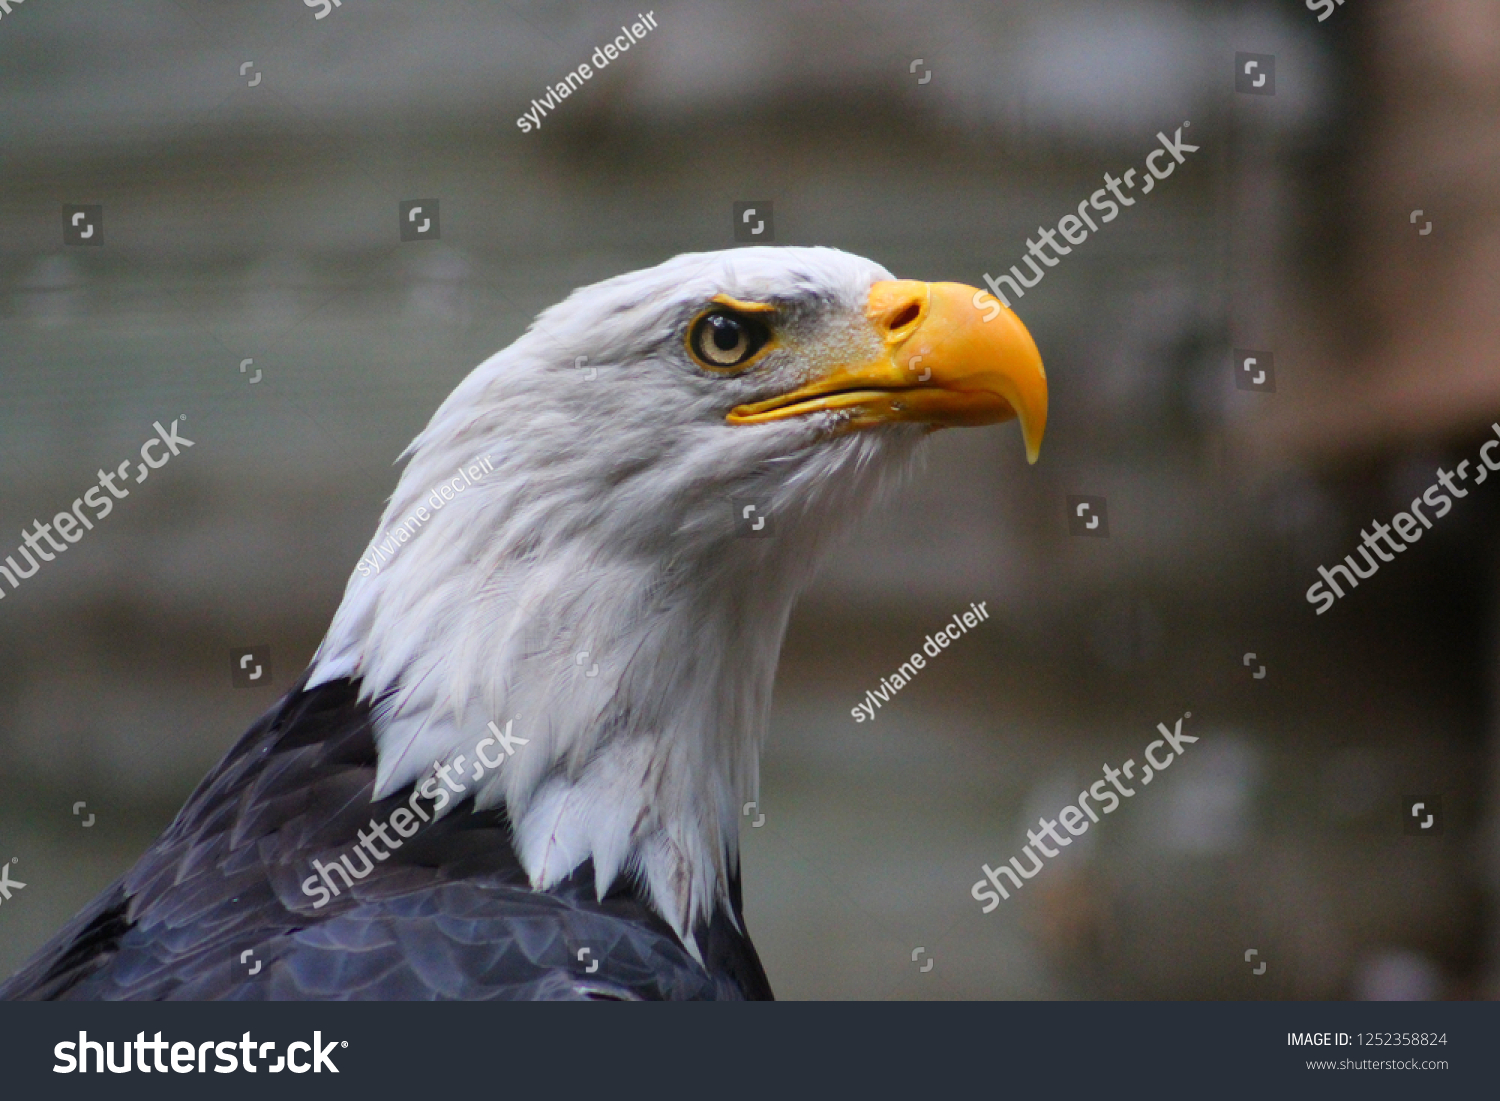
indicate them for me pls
(952, 355)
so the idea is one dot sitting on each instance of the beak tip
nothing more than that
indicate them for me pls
(1031, 435)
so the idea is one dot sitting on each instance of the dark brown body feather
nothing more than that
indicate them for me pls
(449, 915)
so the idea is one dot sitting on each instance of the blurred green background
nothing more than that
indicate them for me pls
(260, 222)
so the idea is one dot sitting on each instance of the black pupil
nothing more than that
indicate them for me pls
(726, 332)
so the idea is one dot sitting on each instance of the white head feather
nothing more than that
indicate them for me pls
(606, 527)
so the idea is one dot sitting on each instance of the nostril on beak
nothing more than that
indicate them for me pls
(896, 307)
(903, 316)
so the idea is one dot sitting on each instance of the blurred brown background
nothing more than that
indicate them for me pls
(260, 222)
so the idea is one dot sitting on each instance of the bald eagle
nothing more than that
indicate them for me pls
(516, 765)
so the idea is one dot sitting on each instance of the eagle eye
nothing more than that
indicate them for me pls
(723, 338)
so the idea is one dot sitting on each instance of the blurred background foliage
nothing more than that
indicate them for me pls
(260, 222)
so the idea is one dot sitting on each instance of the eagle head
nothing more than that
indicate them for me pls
(598, 538)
